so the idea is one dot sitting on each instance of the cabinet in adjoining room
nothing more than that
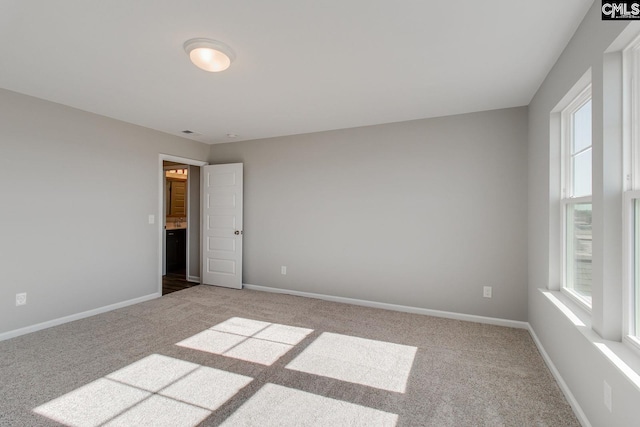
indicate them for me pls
(176, 249)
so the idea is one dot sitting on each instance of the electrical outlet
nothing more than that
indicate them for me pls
(486, 292)
(283, 270)
(607, 396)
(21, 299)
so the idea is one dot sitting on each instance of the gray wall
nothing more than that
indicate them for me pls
(421, 213)
(581, 364)
(77, 191)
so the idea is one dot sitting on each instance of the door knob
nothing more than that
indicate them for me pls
(236, 232)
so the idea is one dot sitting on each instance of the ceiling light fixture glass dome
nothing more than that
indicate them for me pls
(209, 55)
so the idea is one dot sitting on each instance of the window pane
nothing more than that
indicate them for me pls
(581, 128)
(636, 261)
(578, 250)
(582, 174)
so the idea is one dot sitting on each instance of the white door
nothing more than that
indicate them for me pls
(222, 225)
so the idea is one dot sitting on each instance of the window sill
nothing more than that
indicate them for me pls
(579, 301)
(621, 354)
(632, 342)
(574, 312)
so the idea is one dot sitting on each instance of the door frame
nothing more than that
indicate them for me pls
(161, 207)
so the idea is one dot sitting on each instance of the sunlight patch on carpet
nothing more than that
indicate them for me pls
(277, 406)
(154, 391)
(207, 387)
(92, 404)
(249, 340)
(153, 372)
(160, 411)
(362, 361)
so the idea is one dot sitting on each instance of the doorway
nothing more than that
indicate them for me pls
(176, 225)
(179, 223)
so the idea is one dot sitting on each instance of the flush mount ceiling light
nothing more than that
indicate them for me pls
(209, 55)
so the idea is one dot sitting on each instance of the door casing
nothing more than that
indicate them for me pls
(161, 209)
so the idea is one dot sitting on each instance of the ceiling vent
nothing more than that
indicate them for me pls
(190, 133)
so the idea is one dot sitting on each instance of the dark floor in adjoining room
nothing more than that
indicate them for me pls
(175, 281)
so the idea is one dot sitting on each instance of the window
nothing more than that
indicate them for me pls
(631, 238)
(632, 265)
(635, 289)
(576, 198)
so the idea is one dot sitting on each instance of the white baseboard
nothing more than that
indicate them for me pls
(195, 279)
(577, 410)
(395, 307)
(77, 316)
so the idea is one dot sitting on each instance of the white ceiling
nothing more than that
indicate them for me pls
(302, 66)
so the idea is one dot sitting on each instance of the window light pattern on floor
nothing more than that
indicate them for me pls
(160, 390)
(249, 340)
(277, 406)
(372, 363)
(157, 390)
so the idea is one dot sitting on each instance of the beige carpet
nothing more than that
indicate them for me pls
(212, 356)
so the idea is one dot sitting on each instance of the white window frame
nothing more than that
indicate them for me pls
(631, 183)
(631, 270)
(566, 186)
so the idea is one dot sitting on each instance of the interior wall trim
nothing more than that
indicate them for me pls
(395, 307)
(161, 214)
(577, 409)
(194, 279)
(77, 316)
